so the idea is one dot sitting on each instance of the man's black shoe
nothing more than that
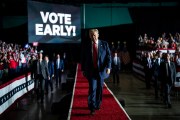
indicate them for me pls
(97, 108)
(42, 101)
(169, 106)
(92, 112)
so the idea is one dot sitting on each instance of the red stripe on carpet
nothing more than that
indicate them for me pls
(110, 108)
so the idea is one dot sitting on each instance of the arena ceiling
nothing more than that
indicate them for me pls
(19, 7)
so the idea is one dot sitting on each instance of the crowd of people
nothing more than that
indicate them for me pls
(164, 41)
(160, 59)
(14, 59)
(46, 72)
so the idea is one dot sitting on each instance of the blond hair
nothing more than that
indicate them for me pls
(93, 30)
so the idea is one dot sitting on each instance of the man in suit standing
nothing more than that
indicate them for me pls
(59, 69)
(116, 67)
(168, 77)
(96, 66)
(156, 68)
(41, 73)
(148, 65)
(51, 72)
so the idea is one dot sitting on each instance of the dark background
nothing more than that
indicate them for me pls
(151, 20)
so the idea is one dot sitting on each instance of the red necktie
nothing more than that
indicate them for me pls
(95, 55)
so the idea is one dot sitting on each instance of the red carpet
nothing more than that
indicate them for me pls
(110, 108)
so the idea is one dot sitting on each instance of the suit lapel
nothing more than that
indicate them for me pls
(170, 66)
(118, 60)
(100, 49)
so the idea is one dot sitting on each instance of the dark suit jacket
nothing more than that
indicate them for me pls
(51, 68)
(146, 64)
(148, 70)
(44, 69)
(172, 73)
(156, 67)
(61, 64)
(116, 67)
(104, 59)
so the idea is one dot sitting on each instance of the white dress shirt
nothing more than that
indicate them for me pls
(58, 62)
(115, 60)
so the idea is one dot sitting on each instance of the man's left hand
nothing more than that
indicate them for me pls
(108, 71)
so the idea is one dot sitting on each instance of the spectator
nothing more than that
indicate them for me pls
(12, 66)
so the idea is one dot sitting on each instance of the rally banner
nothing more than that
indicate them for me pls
(13, 90)
(53, 23)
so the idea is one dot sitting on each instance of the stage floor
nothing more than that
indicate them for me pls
(140, 103)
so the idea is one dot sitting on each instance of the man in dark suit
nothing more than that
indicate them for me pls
(156, 68)
(41, 73)
(148, 69)
(96, 66)
(116, 67)
(51, 73)
(168, 77)
(59, 68)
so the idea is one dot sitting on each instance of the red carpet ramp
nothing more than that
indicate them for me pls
(110, 108)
